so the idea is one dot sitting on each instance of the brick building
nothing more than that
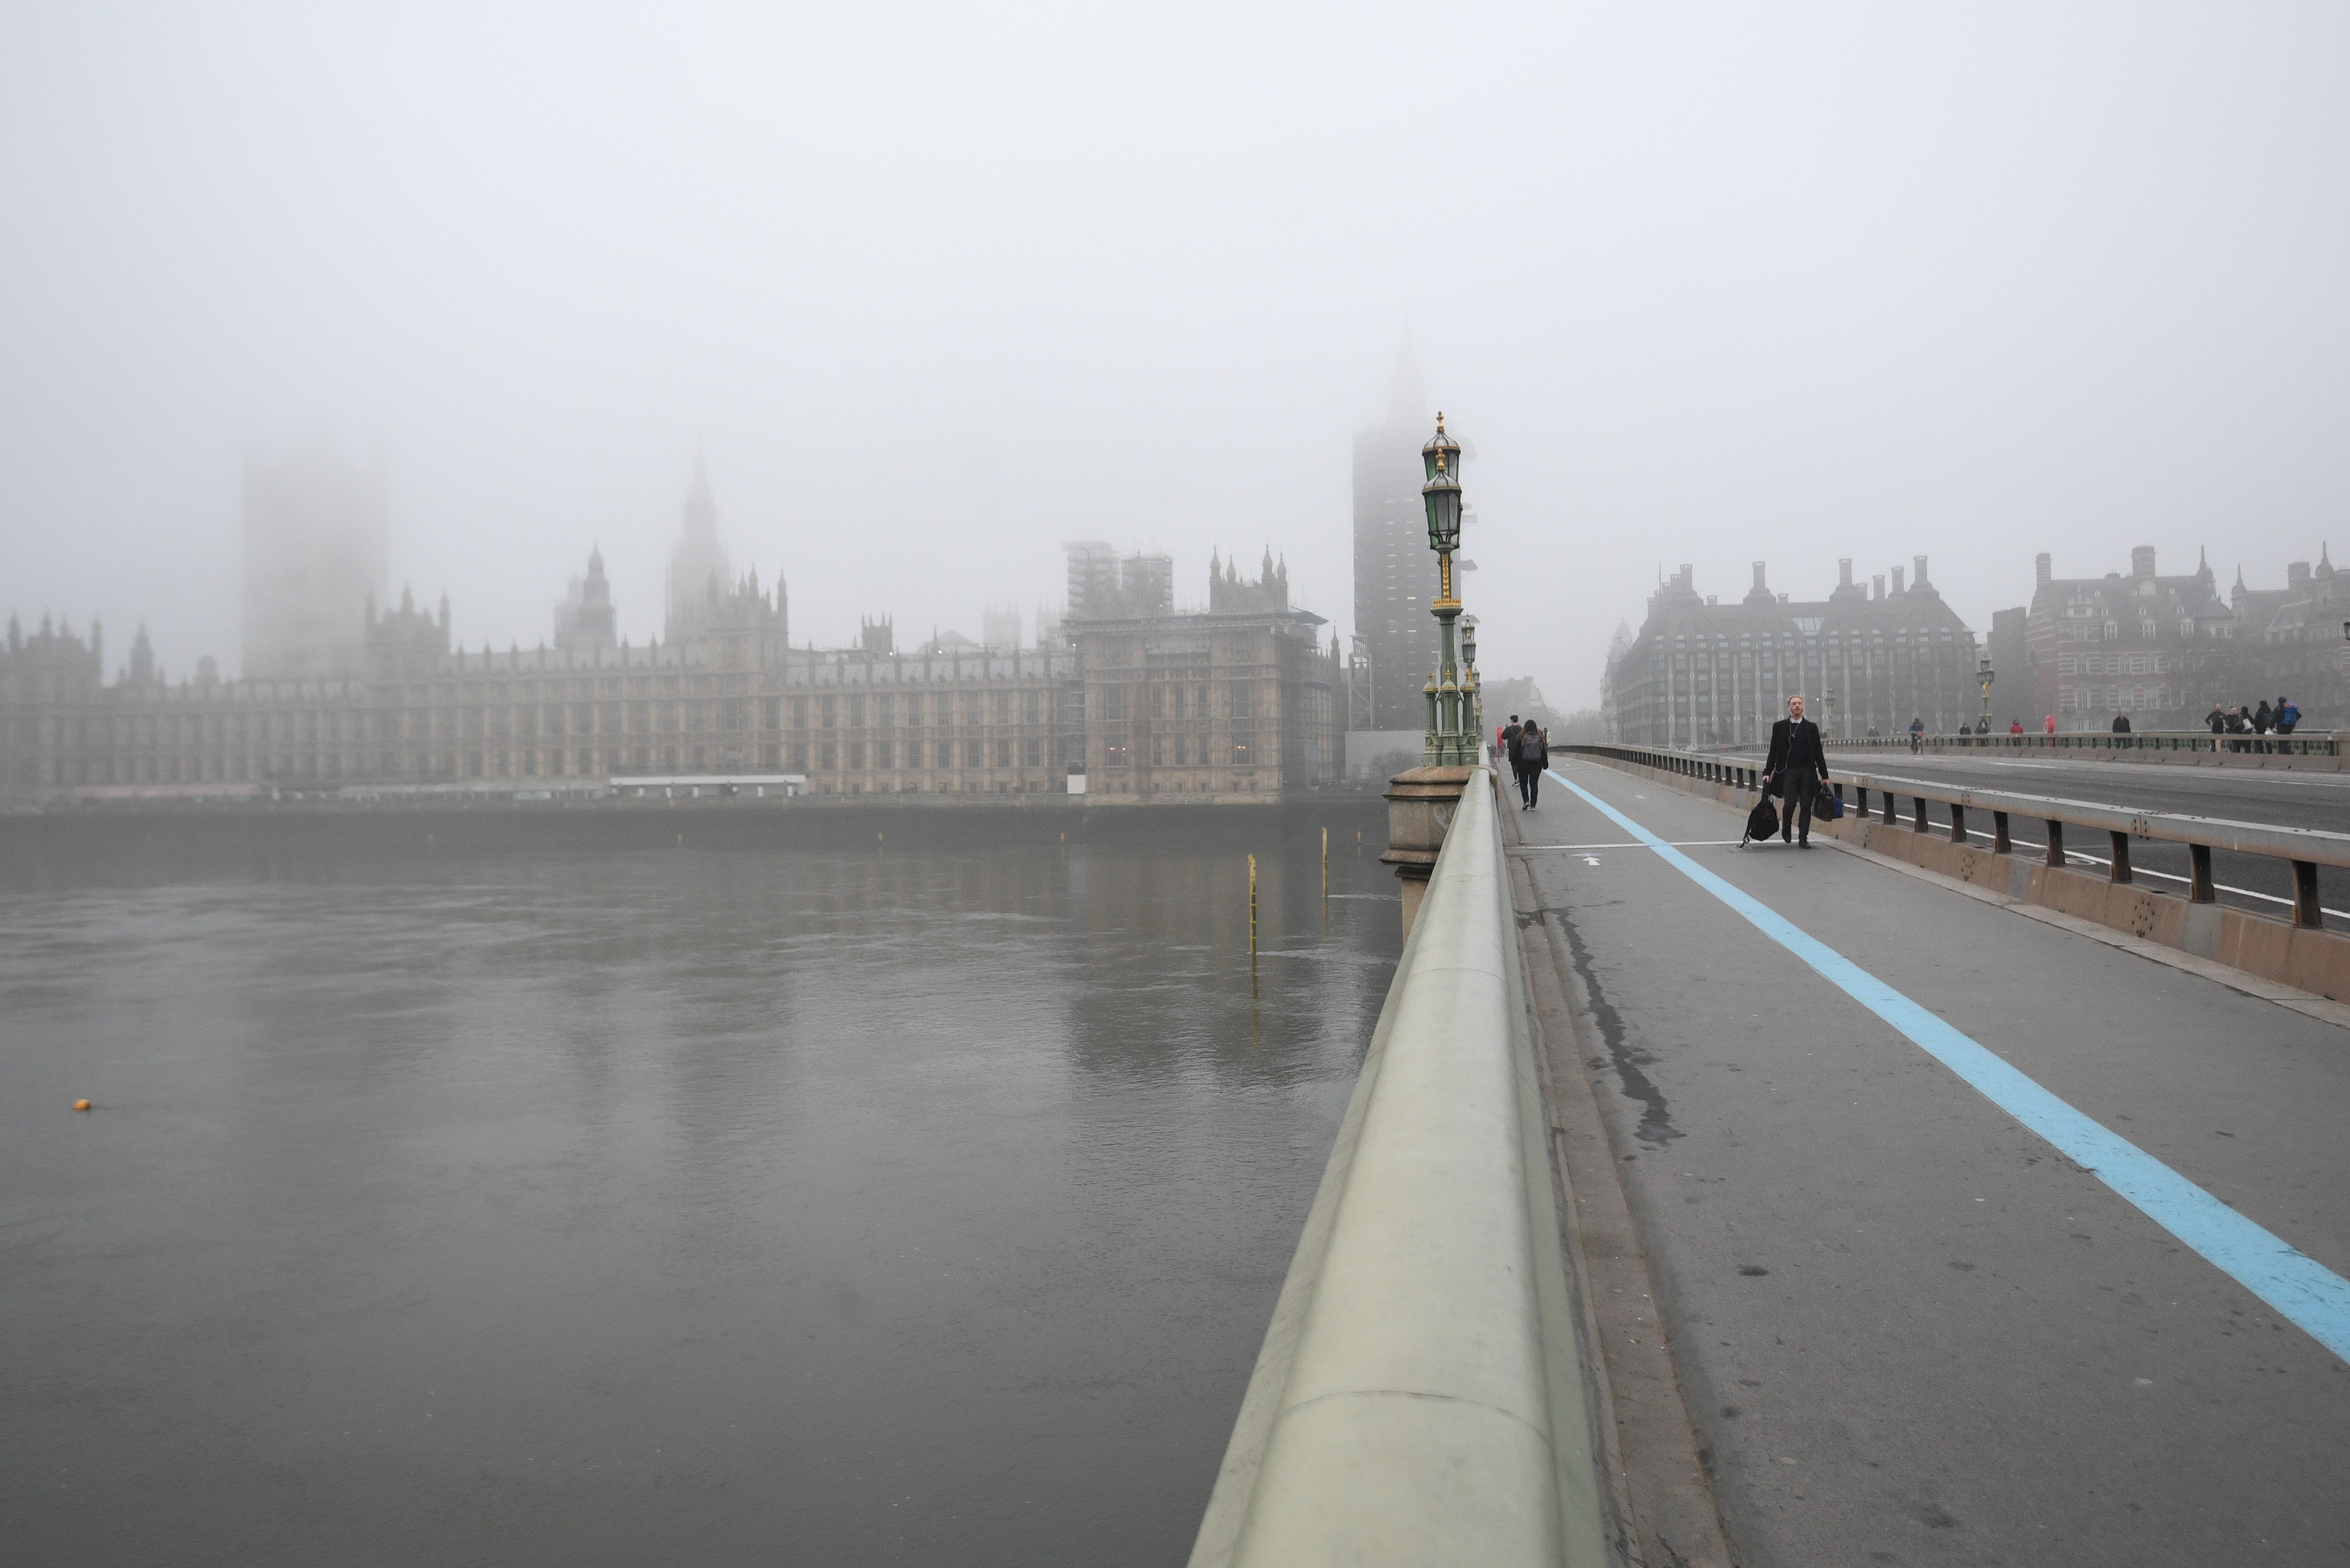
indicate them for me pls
(2163, 650)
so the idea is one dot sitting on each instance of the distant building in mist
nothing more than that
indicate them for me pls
(999, 625)
(1395, 571)
(584, 621)
(316, 541)
(1241, 699)
(1105, 585)
(2166, 650)
(1239, 702)
(698, 569)
(1701, 672)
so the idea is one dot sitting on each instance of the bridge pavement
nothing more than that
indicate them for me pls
(1906, 1328)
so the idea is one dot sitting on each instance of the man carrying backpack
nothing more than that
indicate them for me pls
(1509, 744)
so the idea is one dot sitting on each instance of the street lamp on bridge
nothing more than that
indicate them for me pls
(1985, 675)
(1451, 697)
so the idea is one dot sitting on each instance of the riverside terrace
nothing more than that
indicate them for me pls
(1885, 1218)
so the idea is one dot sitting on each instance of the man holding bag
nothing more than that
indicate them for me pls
(1795, 771)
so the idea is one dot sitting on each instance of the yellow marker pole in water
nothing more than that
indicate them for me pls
(1252, 906)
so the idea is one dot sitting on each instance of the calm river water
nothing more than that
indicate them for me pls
(679, 1207)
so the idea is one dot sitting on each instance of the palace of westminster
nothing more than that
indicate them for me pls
(1125, 698)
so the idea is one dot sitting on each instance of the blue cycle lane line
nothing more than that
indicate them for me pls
(2300, 1288)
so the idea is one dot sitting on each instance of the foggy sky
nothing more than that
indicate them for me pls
(937, 288)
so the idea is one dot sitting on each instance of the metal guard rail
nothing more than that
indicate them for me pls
(2304, 849)
(1419, 1395)
(2318, 743)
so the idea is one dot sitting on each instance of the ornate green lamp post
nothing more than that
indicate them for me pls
(1450, 742)
(1985, 676)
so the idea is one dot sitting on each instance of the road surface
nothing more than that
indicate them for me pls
(1909, 1329)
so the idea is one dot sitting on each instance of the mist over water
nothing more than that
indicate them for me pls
(936, 290)
(641, 1205)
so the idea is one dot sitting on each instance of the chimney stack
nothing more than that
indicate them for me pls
(2042, 571)
(1921, 581)
(1897, 589)
(1844, 571)
(2142, 561)
(1876, 586)
(1758, 573)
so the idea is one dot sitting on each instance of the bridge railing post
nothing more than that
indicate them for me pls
(2055, 841)
(2200, 889)
(2120, 869)
(1999, 843)
(1958, 822)
(2305, 909)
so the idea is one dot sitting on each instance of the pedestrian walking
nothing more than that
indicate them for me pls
(2216, 721)
(2048, 724)
(1533, 756)
(1509, 748)
(1917, 734)
(1794, 769)
(2287, 715)
(2121, 725)
(2263, 720)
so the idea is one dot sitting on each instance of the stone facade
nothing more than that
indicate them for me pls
(1243, 700)
(2163, 650)
(1703, 673)
(1243, 703)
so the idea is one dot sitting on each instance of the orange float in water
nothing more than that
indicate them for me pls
(81, 1104)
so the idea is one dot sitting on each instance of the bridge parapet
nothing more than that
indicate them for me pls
(2319, 749)
(1421, 1396)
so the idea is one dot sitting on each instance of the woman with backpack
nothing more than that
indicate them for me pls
(1533, 756)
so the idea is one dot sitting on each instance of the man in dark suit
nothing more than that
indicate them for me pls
(1796, 768)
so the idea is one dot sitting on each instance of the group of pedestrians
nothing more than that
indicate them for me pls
(1528, 750)
(2261, 720)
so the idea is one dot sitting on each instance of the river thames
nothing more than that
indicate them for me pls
(850, 1205)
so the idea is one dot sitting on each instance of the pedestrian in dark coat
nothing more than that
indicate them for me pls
(1510, 733)
(1533, 756)
(2263, 720)
(1794, 769)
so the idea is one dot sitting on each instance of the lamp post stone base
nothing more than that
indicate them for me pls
(1421, 806)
